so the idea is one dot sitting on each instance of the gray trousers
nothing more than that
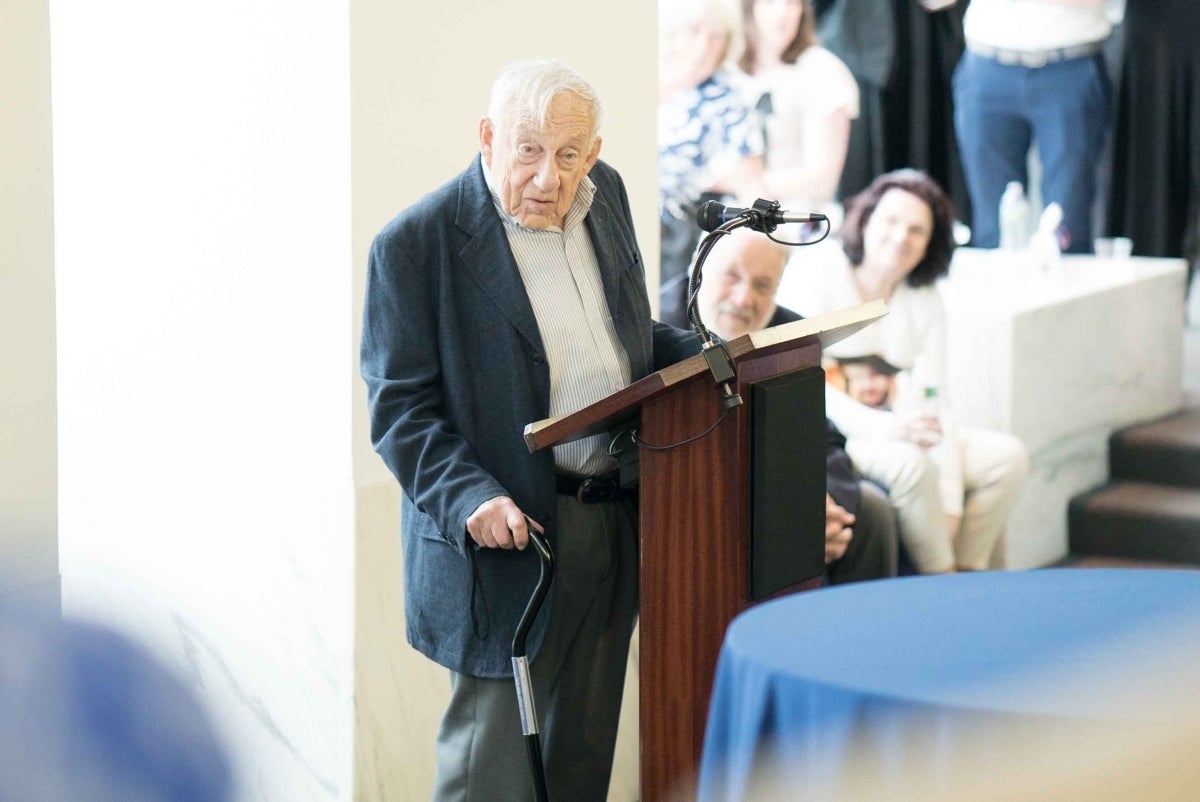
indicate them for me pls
(578, 675)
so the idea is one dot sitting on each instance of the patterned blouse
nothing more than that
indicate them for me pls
(701, 130)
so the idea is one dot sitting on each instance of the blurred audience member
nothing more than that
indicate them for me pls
(87, 715)
(805, 98)
(737, 296)
(1033, 72)
(952, 487)
(902, 54)
(1155, 198)
(870, 380)
(709, 143)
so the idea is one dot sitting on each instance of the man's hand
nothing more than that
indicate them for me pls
(837, 530)
(499, 524)
(924, 430)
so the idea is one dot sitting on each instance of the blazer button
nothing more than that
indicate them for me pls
(538, 359)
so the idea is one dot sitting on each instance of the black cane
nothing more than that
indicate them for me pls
(529, 720)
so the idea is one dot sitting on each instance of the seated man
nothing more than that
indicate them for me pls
(737, 296)
(869, 380)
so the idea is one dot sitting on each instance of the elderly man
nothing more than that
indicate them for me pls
(737, 296)
(513, 293)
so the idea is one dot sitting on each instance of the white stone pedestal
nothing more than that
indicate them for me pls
(1061, 358)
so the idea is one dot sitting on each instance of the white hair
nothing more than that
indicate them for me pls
(529, 87)
(721, 15)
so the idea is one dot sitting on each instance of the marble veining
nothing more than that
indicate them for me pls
(200, 651)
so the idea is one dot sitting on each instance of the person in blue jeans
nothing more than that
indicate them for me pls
(1033, 72)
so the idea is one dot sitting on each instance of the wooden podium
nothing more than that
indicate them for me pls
(708, 509)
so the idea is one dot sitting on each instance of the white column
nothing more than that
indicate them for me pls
(205, 333)
(28, 458)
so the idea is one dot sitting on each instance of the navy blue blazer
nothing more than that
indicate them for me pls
(455, 369)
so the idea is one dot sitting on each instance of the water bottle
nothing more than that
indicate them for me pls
(931, 410)
(1046, 242)
(930, 405)
(1014, 218)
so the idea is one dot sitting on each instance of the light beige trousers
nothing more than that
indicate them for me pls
(994, 466)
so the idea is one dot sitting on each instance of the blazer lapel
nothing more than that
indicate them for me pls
(488, 257)
(613, 253)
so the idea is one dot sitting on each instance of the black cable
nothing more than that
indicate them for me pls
(633, 436)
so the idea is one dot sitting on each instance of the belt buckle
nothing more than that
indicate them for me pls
(1037, 60)
(595, 490)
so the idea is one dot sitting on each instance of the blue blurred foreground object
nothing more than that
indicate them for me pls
(935, 687)
(85, 714)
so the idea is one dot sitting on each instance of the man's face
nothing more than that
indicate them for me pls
(866, 385)
(741, 276)
(536, 166)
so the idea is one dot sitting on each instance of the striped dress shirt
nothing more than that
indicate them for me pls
(562, 279)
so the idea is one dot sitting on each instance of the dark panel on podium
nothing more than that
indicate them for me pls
(787, 481)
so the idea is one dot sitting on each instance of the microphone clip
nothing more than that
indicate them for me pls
(763, 215)
(720, 365)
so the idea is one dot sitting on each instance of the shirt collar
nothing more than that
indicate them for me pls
(584, 196)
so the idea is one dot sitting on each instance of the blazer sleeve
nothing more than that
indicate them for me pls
(410, 429)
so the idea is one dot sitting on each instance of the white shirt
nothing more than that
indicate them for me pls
(586, 358)
(1034, 25)
(804, 93)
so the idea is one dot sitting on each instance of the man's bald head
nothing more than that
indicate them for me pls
(741, 276)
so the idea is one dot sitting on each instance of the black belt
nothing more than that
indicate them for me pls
(592, 489)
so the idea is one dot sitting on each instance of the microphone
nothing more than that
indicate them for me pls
(713, 214)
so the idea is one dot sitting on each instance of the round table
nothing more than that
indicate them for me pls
(920, 678)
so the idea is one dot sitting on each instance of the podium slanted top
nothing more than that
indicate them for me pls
(622, 405)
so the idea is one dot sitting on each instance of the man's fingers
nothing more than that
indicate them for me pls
(517, 529)
(499, 524)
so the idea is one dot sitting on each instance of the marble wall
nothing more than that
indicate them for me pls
(1061, 358)
(202, 208)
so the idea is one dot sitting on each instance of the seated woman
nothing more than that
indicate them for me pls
(806, 98)
(952, 487)
(709, 142)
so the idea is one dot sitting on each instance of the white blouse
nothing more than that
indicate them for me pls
(912, 336)
(802, 94)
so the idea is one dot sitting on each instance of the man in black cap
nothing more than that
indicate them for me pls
(870, 380)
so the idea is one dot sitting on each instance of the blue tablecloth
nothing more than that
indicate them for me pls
(902, 677)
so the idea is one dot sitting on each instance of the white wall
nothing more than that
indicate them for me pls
(421, 73)
(28, 461)
(205, 335)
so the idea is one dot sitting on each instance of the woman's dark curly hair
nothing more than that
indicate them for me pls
(806, 36)
(936, 262)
